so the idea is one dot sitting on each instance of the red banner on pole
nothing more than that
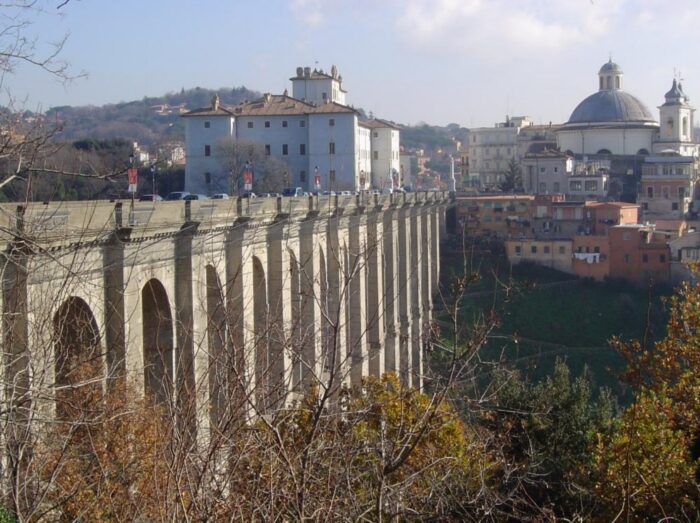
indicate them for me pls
(248, 177)
(133, 175)
(317, 180)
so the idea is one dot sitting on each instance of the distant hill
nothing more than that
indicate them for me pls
(146, 121)
(157, 119)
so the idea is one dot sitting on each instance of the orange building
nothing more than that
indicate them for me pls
(639, 254)
(603, 215)
(500, 215)
(591, 256)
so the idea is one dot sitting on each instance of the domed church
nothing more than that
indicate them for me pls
(610, 121)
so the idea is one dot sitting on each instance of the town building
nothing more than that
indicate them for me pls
(554, 253)
(500, 215)
(492, 149)
(546, 172)
(639, 254)
(313, 132)
(669, 185)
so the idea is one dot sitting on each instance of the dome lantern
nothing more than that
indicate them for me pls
(610, 76)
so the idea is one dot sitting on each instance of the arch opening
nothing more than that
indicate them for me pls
(79, 366)
(157, 343)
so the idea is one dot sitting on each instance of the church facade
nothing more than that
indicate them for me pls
(615, 126)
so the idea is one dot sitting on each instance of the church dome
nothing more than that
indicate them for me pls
(611, 106)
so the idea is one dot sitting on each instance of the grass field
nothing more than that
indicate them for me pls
(545, 314)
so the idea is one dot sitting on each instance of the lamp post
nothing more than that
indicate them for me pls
(153, 182)
(131, 188)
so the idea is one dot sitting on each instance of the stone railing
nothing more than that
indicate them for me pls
(64, 223)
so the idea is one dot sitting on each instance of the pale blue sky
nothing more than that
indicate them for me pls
(439, 61)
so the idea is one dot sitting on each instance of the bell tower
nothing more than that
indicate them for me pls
(676, 117)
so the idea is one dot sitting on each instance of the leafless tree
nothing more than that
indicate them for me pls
(236, 155)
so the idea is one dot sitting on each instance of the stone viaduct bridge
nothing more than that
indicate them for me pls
(200, 300)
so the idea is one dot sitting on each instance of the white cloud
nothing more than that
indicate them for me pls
(309, 12)
(490, 28)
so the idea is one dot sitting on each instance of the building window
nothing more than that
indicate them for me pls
(627, 258)
(285, 149)
(546, 249)
(556, 186)
(302, 149)
(267, 149)
(331, 122)
(518, 250)
(207, 150)
(556, 169)
(207, 178)
(662, 258)
(591, 185)
(302, 176)
(250, 125)
(324, 96)
(375, 155)
(376, 134)
(267, 123)
(542, 170)
(207, 124)
(302, 123)
(331, 147)
(284, 123)
(645, 257)
(674, 206)
(533, 249)
(562, 249)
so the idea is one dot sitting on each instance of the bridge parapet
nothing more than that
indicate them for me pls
(63, 223)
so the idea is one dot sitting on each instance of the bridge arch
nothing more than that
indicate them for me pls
(78, 357)
(157, 342)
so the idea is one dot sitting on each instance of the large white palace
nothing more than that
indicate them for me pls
(313, 131)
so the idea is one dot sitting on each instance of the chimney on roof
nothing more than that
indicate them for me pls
(300, 71)
(307, 71)
(215, 101)
(267, 97)
(286, 92)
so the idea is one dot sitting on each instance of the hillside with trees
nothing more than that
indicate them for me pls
(147, 121)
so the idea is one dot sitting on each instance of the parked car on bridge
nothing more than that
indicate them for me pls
(177, 195)
(196, 197)
(220, 196)
(151, 198)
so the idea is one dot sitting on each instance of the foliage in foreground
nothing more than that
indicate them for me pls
(381, 452)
